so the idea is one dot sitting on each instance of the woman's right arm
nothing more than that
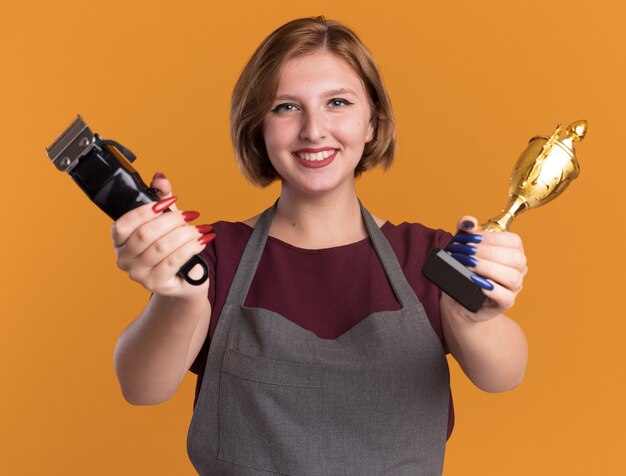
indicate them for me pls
(155, 351)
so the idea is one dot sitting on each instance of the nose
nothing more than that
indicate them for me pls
(313, 126)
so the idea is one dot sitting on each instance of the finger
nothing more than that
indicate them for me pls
(465, 260)
(461, 249)
(124, 226)
(505, 239)
(506, 276)
(168, 243)
(466, 254)
(483, 282)
(500, 298)
(468, 224)
(162, 279)
(463, 237)
(150, 232)
(511, 257)
(162, 185)
(166, 270)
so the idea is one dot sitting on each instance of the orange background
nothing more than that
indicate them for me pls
(471, 82)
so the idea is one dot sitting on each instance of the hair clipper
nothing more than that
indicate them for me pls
(103, 170)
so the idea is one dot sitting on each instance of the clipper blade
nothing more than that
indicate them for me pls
(74, 142)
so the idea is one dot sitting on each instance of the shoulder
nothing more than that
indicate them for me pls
(230, 240)
(251, 222)
(232, 229)
(415, 235)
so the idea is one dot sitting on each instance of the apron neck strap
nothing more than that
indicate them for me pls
(250, 258)
(401, 287)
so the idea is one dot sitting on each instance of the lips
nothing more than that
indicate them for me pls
(315, 158)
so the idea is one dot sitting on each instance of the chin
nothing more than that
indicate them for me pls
(320, 187)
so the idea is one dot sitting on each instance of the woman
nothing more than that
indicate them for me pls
(320, 348)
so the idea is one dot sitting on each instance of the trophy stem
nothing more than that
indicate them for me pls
(502, 222)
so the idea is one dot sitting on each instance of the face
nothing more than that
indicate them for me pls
(318, 124)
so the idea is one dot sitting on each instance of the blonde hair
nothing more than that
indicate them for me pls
(256, 89)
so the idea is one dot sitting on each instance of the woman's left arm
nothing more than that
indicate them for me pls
(490, 348)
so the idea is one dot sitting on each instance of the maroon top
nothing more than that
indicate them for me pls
(326, 291)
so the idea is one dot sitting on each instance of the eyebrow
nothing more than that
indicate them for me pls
(332, 92)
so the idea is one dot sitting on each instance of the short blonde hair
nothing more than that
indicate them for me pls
(256, 89)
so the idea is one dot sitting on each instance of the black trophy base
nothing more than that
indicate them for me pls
(453, 279)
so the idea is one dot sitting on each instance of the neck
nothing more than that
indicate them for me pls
(318, 221)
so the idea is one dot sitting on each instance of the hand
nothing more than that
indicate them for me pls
(499, 265)
(151, 245)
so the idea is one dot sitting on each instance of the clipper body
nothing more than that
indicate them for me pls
(112, 184)
(103, 170)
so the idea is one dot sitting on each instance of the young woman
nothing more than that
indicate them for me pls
(320, 347)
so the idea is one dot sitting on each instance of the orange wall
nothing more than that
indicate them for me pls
(471, 82)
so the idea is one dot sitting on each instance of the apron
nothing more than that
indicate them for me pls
(277, 399)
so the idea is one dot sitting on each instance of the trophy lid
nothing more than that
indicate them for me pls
(576, 130)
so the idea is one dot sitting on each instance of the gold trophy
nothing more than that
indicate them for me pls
(542, 173)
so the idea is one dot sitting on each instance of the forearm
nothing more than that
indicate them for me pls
(492, 353)
(157, 348)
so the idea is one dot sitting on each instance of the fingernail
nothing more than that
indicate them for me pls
(465, 260)
(482, 282)
(463, 237)
(467, 225)
(190, 215)
(159, 175)
(206, 239)
(204, 228)
(164, 204)
(459, 248)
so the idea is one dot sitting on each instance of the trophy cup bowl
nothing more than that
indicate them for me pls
(543, 171)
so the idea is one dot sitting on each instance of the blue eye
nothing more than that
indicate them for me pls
(286, 107)
(338, 102)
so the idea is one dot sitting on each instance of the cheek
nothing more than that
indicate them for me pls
(277, 134)
(353, 131)
(268, 134)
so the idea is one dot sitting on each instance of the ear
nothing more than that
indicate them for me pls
(371, 130)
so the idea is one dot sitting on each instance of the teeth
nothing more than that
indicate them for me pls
(317, 156)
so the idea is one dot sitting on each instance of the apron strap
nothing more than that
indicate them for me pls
(401, 287)
(250, 258)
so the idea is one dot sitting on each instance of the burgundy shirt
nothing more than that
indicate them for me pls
(326, 291)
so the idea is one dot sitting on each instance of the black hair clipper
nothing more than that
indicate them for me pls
(103, 170)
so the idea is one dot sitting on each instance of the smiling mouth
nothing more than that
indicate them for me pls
(315, 156)
(315, 159)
